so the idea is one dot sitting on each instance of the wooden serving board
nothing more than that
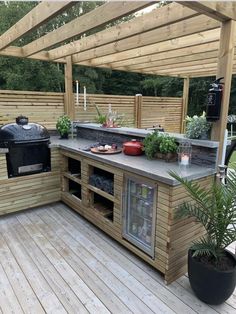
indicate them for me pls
(106, 152)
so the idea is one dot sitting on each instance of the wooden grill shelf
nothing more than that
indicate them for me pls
(102, 193)
(73, 177)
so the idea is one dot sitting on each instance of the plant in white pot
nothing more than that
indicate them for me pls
(63, 126)
(211, 268)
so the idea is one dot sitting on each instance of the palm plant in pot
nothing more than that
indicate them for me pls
(63, 126)
(211, 268)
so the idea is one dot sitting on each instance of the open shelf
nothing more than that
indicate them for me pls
(102, 180)
(74, 189)
(74, 166)
(102, 205)
(102, 193)
(74, 177)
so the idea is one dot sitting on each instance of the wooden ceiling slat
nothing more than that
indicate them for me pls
(98, 17)
(163, 16)
(166, 46)
(220, 10)
(181, 64)
(171, 32)
(36, 17)
(188, 51)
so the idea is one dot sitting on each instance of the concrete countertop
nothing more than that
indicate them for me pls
(153, 169)
(142, 133)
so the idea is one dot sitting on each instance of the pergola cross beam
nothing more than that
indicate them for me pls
(97, 17)
(219, 10)
(35, 18)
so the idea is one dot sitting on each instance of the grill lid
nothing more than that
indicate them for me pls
(22, 131)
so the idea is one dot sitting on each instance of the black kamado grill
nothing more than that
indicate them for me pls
(27, 144)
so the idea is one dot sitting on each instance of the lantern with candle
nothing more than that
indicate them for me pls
(184, 153)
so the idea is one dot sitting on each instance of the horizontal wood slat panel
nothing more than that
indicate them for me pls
(40, 107)
(164, 111)
(45, 108)
(123, 105)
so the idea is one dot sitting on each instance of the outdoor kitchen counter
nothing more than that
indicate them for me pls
(135, 132)
(153, 169)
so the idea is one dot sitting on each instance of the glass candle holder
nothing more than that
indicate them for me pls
(184, 154)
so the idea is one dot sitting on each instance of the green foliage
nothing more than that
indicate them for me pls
(63, 125)
(158, 142)
(167, 145)
(197, 126)
(101, 118)
(214, 208)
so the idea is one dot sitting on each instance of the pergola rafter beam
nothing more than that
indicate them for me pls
(35, 18)
(157, 18)
(168, 35)
(98, 17)
(187, 51)
(166, 46)
(190, 59)
(220, 10)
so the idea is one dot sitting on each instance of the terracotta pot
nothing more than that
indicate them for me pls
(133, 148)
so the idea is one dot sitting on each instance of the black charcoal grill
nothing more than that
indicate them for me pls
(28, 147)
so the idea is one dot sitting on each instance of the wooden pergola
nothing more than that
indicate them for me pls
(181, 39)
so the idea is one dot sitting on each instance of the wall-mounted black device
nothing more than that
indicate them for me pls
(214, 98)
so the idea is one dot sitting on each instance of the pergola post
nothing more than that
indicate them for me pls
(69, 96)
(185, 103)
(224, 69)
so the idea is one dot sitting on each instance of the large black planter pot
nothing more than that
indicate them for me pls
(211, 286)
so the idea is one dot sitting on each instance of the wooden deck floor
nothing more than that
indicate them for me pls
(54, 261)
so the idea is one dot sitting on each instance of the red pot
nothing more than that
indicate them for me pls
(133, 148)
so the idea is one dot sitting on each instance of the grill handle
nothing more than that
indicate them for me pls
(32, 141)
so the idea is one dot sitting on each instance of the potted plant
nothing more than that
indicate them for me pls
(197, 127)
(211, 268)
(159, 145)
(100, 118)
(63, 126)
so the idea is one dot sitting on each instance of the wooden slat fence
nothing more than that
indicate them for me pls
(164, 111)
(46, 107)
(123, 105)
(40, 107)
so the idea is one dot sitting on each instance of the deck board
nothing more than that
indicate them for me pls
(54, 261)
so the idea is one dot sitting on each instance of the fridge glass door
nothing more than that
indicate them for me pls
(139, 215)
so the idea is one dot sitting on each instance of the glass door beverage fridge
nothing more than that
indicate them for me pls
(139, 214)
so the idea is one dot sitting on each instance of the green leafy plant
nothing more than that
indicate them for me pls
(158, 142)
(101, 118)
(214, 208)
(63, 125)
(167, 145)
(197, 127)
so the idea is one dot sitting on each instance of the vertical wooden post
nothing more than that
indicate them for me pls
(185, 104)
(138, 101)
(69, 96)
(224, 69)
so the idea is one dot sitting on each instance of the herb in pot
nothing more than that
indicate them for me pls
(159, 143)
(63, 125)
